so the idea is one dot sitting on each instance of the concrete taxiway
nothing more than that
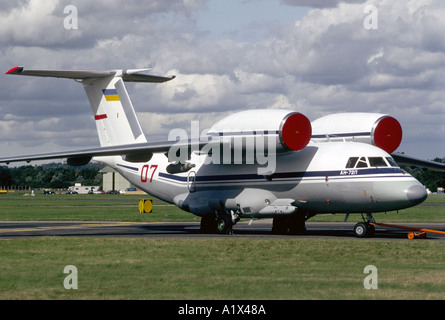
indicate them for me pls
(255, 229)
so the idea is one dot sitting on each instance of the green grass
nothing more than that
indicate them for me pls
(209, 268)
(61, 207)
(17, 207)
(226, 268)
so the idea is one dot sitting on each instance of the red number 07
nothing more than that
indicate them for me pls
(145, 170)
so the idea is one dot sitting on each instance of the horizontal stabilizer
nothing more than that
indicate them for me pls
(136, 77)
(61, 73)
(131, 75)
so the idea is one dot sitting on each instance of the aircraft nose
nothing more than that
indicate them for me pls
(416, 194)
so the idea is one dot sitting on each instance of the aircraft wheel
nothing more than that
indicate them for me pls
(224, 225)
(371, 230)
(297, 225)
(208, 224)
(280, 225)
(363, 230)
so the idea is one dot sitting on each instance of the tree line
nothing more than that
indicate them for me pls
(51, 176)
(432, 180)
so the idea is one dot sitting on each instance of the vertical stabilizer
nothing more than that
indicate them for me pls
(113, 111)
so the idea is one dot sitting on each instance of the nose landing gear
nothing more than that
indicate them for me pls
(366, 228)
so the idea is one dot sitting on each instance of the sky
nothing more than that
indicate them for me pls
(315, 57)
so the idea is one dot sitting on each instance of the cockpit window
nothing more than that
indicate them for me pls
(362, 163)
(392, 162)
(351, 162)
(356, 162)
(377, 162)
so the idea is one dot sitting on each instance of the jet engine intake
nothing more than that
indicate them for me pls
(295, 132)
(377, 129)
(271, 130)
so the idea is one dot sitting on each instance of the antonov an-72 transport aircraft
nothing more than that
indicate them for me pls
(252, 164)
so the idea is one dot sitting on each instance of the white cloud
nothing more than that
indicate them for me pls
(325, 62)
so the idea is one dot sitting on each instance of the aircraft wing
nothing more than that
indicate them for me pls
(405, 160)
(140, 152)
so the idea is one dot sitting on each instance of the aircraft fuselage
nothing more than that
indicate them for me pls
(340, 177)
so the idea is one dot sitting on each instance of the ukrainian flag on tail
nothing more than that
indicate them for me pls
(111, 95)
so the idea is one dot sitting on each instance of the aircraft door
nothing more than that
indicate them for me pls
(191, 181)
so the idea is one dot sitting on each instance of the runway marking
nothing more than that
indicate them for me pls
(77, 226)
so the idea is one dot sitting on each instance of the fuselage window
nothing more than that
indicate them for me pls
(351, 162)
(377, 162)
(362, 163)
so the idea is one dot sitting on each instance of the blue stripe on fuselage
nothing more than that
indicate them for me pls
(346, 173)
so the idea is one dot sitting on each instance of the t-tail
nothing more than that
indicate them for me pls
(115, 117)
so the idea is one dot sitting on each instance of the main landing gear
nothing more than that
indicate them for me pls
(219, 223)
(289, 224)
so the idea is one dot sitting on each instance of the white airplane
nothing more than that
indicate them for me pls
(252, 164)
